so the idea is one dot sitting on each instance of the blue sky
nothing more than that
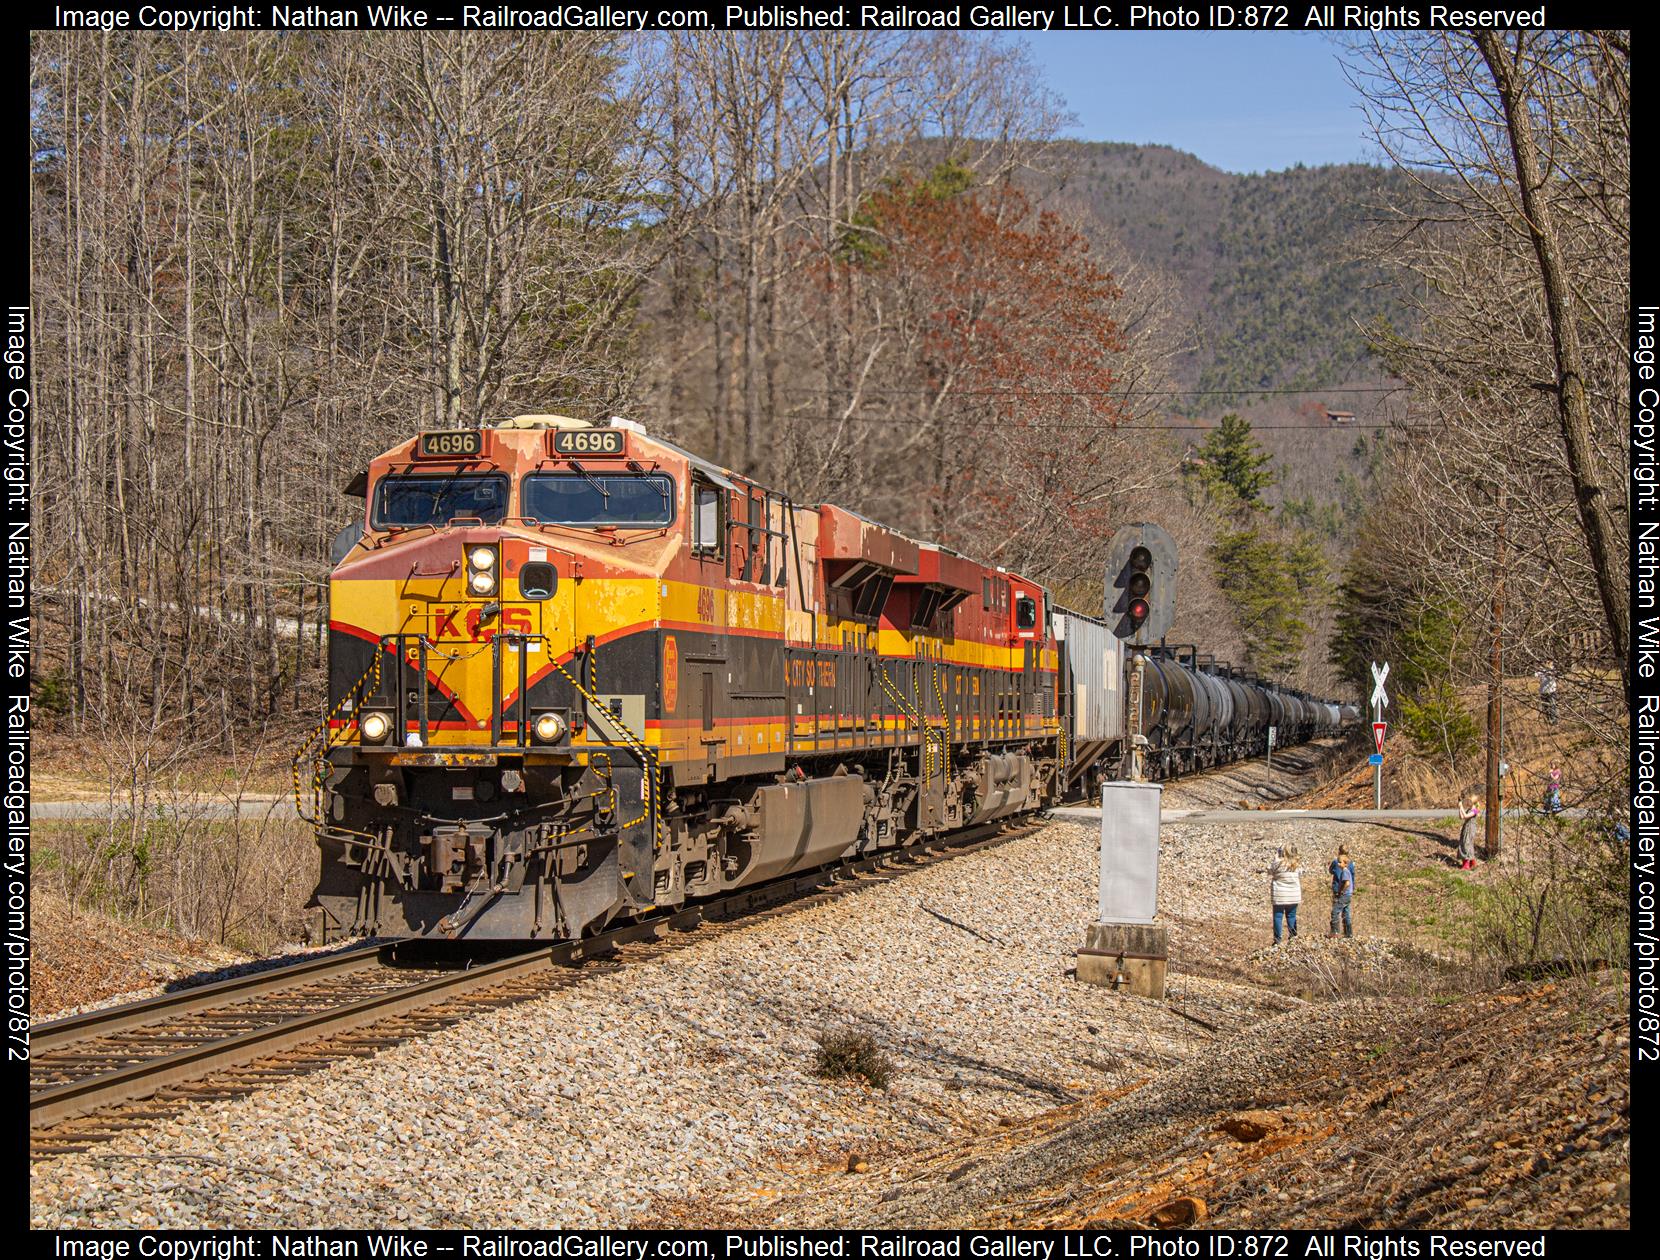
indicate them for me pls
(1240, 100)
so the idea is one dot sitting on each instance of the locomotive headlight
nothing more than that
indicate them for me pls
(547, 728)
(481, 570)
(374, 727)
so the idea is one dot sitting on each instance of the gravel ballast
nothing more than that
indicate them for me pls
(690, 1073)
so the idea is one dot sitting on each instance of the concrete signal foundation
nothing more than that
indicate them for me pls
(1129, 957)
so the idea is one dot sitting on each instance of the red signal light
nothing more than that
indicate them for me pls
(1138, 610)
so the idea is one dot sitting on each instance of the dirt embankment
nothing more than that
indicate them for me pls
(82, 957)
(1508, 1109)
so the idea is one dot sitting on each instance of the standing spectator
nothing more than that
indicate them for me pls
(1469, 809)
(1547, 690)
(1553, 791)
(1285, 890)
(1342, 890)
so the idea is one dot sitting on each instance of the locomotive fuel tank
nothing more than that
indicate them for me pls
(790, 827)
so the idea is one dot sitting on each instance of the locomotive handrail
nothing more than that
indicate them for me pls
(522, 695)
(415, 570)
(401, 646)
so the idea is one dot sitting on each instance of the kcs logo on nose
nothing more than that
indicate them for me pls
(467, 623)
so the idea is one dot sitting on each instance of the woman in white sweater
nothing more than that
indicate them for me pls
(1285, 889)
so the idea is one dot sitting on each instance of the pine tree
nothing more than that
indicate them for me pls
(1234, 464)
(1264, 588)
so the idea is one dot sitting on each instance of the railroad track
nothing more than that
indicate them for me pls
(94, 1076)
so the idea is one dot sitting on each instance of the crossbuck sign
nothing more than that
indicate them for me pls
(1380, 697)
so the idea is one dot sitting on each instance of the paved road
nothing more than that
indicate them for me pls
(1087, 812)
(251, 807)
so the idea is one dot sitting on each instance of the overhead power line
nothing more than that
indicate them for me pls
(998, 391)
(1129, 426)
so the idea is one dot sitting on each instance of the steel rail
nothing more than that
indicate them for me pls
(88, 1025)
(56, 1103)
(63, 1102)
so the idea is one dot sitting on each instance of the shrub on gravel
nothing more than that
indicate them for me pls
(844, 1053)
(1568, 903)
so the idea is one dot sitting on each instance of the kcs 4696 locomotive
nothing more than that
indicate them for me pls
(577, 673)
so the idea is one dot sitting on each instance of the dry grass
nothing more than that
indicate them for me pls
(844, 1053)
(239, 882)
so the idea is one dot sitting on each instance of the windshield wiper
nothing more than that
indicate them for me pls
(604, 493)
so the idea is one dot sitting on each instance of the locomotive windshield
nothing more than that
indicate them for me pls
(404, 502)
(626, 502)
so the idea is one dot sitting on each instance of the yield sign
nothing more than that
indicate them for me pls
(1379, 673)
(1378, 728)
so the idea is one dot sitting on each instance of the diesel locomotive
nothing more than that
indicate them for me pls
(577, 673)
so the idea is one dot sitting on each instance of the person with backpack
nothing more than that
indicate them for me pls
(1285, 890)
(1342, 870)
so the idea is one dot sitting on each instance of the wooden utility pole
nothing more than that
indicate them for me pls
(1495, 690)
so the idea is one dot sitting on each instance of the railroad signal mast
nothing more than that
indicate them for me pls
(1141, 584)
(1140, 605)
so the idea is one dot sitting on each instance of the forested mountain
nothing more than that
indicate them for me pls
(1270, 266)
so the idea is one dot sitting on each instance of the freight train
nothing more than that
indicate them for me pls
(577, 673)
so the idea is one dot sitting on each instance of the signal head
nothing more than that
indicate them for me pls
(1140, 586)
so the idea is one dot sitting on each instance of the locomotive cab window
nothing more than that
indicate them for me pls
(537, 581)
(706, 520)
(406, 502)
(1025, 613)
(600, 499)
